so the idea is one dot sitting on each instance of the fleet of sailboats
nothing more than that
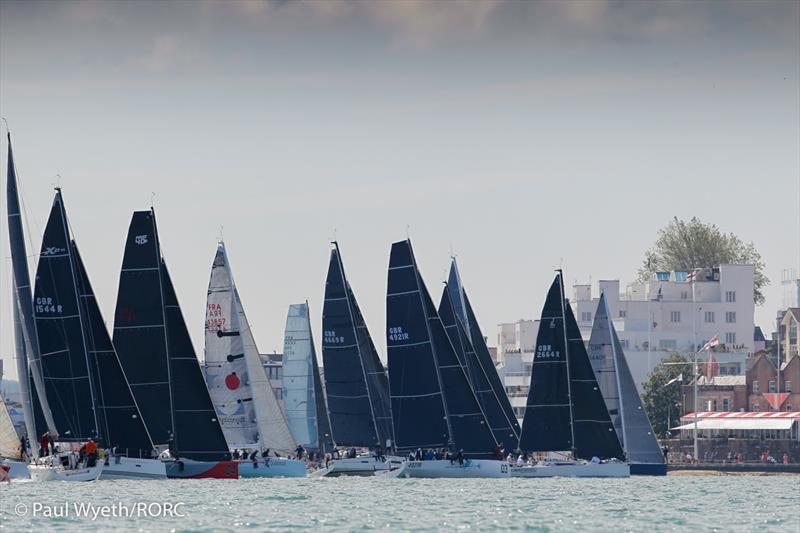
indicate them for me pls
(439, 410)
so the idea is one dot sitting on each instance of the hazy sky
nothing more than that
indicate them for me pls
(519, 134)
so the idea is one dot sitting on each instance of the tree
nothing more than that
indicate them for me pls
(659, 398)
(684, 245)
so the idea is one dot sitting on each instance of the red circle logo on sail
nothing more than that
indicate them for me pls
(232, 381)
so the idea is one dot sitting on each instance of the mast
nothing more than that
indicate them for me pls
(566, 358)
(22, 285)
(358, 344)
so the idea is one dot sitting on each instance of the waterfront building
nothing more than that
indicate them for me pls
(515, 345)
(273, 364)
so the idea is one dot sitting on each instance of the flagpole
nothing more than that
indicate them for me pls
(696, 377)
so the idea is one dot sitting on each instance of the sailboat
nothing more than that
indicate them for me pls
(10, 446)
(467, 339)
(84, 382)
(433, 403)
(356, 383)
(248, 410)
(565, 411)
(163, 371)
(637, 438)
(304, 399)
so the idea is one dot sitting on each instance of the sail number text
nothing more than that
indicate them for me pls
(215, 321)
(330, 337)
(397, 334)
(46, 305)
(545, 351)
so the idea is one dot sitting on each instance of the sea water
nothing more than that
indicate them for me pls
(692, 503)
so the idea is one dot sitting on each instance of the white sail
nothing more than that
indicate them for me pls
(226, 370)
(273, 430)
(298, 377)
(9, 440)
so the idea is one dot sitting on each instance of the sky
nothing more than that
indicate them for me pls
(520, 136)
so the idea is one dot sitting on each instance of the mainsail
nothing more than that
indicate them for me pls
(355, 380)
(9, 440)
(433, 404)
(462, 327)
(225, 365)
(84, 380)
(298, 377)
(619, 391)
(565, 409)
(157, 354)
(28, 357)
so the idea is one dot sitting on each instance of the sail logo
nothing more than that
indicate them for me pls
(53, 250)
(330, 337)
(141, 239)
(545, 351)
(397, 334)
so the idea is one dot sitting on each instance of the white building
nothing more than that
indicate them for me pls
(654, 319)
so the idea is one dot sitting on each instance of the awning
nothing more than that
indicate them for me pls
(740, 423)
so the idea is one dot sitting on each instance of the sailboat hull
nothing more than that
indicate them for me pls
(19, 470)
(132, 468)
(274, 467)
(189, 469)
(573, 469)
(56, 473)
(648, 469)
(358, 466)
(472, 468)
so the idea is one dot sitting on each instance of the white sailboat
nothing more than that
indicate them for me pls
(10, 445)
(240, 389)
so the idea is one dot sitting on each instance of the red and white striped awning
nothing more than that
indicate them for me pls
(740, 420)
(743, 414)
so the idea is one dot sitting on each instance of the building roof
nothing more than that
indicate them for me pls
(722, 381)
(795, 312)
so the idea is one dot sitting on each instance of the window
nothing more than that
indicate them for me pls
(730, 296)
(674, 316)
(709, 317)
(624, 343)
(787, 386)
(726, 404)
(730, 317)
(730, 338)
(684, 295)
(623, 313)
(667, 344)
(586, 316)
(756, 388)
(771, 385)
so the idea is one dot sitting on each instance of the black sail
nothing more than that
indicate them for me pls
(156, 352)
(62, 340)
(547, 422)
(324, 435)
(502, 429)
(433, 404)
(355, 381)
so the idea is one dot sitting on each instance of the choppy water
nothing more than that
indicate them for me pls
(712, 503)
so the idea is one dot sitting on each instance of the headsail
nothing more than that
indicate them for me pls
(298, 377)
(355, 380)
(225, 365)
(9, 440)
(480, 367)
(565, 410)
(432, 401)
(28, 360)
(619, 391)
(156, 351)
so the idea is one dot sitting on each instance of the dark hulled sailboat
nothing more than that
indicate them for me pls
(624, 405)
(157, 355)
(465, 334)
(356, 383)
(565, 410)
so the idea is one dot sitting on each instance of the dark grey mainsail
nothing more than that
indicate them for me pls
(619, 391)
(85, 384)
(28, 360)
(433, 404)
(480, 367)
(355, 379)
(565, 410)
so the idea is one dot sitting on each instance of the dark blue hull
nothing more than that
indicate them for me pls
(648, 469)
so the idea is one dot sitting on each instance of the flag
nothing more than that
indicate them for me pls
(711, 343)
(678, 379)
(711, 367)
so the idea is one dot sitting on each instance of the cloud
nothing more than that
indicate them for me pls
(163, 54)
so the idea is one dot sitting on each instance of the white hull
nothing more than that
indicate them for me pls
(358, 466)
(132, 468)
(572, 469)
(276, 467)
(57, 473)
(472, 468)
(19, 470)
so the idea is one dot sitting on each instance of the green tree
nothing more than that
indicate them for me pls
(660, 399)
(687, 244)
